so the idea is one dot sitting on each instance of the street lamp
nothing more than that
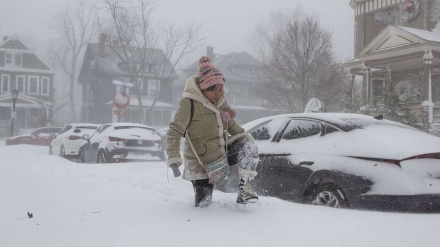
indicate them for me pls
(13, 115)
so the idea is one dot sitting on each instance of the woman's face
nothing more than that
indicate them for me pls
(215, 94)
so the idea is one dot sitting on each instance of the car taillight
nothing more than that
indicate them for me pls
(116, 139)
(74, 137)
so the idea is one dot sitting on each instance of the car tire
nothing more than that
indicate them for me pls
(102, 157)
(50, 150)
(328, 195)
(81, 158)
(62, 151)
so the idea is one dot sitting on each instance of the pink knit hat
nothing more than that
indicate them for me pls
(209, 75)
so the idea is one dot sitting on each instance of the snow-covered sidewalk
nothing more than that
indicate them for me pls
(142, 204)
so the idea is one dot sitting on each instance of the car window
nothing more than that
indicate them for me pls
(66, 128)
(301, 129)
(54, 130)
(104, 127)
(37, 132)
(261, 133)
(330, 129)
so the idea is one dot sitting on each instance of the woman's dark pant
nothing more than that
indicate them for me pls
(203, 191)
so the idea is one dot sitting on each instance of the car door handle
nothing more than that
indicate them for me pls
(306, 163)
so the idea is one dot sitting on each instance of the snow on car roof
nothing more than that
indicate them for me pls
(79, 125)
(130, 124)
(339, 119)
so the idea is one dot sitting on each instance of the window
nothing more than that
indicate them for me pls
(250, 71)
(44, 85)
(18, 59)
(13, 59)
(157, 118)
(261, 133)
(377, 88)
(153, 87)
(330, 129)
(35, 112)
(33, 85)
(8, 59)
(5, 84)
(20, 83)
(300, 129)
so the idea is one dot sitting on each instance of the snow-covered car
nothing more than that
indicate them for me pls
(67, 142)
(345, 160)
(115, 141)
(41, 136)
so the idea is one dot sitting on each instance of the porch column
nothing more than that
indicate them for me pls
(366, 84)
(427, 60)
(388, 80)
(351, 79)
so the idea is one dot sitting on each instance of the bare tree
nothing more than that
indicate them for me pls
(74, 28)
(300, 65)
(147, 49)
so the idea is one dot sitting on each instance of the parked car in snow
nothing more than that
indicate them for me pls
(67, 142)
(345, 160)
(41, 136)
(116, 141)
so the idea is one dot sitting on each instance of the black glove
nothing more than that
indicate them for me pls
(175, 167)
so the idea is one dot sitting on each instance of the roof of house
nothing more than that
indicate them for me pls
(15, 43)
(433, 35)
(227, 63)
(112, 63)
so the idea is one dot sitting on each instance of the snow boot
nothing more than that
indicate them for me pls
(203, 192)
(245, 194)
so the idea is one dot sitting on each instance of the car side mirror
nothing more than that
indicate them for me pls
(86, 137)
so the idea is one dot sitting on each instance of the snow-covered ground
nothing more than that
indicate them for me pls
(142, 204)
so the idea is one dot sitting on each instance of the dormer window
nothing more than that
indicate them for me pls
(14, 59)
(250, 71)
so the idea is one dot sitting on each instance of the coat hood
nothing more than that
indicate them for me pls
(192, 91)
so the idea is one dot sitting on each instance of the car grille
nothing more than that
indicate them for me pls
(135, 143)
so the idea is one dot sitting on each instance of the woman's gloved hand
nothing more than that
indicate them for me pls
(176, 171)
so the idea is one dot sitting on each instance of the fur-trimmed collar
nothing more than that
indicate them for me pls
(192, 91)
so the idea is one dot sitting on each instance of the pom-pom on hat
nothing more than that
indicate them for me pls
(209, 75)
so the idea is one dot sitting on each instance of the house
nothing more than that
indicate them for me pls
(243, 75)
(102, 67)
(397, 49)
(22, 69)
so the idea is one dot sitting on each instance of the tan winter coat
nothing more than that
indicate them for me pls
(206, 131)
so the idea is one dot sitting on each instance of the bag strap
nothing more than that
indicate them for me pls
(190, 116)
(193, 149)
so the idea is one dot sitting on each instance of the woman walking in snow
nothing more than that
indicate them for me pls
(207, 123)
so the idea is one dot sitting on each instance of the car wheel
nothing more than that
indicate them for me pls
(81, 158)
(102, 157)
(50, 150)
(328, 195)
(62, 151)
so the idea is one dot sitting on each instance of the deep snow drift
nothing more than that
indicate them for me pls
(142, 204)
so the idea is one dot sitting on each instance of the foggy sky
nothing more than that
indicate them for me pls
(227, 24)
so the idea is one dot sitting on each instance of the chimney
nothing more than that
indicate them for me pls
(210, 52)
(5, 38)
(101, 51)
